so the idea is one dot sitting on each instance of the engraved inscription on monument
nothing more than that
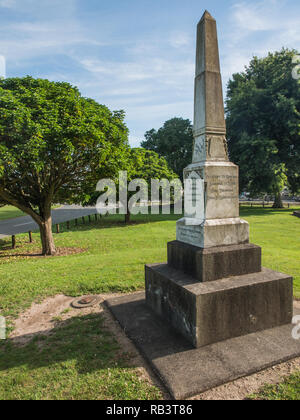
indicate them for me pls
(222, 187)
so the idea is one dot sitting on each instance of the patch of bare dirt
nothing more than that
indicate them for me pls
(242, 388)
(41, 318)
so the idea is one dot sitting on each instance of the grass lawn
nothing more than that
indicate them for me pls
(113, 261)
(289, 390)
(10, 212)
(79, 360)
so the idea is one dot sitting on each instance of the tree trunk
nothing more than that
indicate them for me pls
(127, 218)
(278, 204)
(47, 237)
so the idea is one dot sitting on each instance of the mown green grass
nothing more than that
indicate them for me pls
(80, 360)
(289, 390)
(112, 261)
(114, 256)
(10, 212)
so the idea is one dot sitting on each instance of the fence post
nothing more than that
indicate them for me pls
(13, 241)
(68, 225)
(76, 222)
(96, 217)
(30, 237)
(90, 220)
(57, 228)
(83, 220)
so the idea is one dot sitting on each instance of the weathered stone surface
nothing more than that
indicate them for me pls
(210, 264)
(209, 104)
(187, 371)
(206, 313)
(212, 233)
(212, 203)
(221, 195)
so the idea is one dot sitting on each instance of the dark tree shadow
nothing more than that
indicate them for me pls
(79, 338)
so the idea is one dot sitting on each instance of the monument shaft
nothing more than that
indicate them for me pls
(219, 223)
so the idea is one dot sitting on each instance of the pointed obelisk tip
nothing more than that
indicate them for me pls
(206, 15)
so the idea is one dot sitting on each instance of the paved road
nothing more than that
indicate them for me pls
(25, 224)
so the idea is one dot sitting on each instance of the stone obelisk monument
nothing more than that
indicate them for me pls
(213, 287)
(220, 223)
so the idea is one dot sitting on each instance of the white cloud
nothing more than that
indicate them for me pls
(251, 17)
(273, 18)
(2, 67)
(256, 28)
(179, 40)
(150, 74)
(159, 69)
(8, 3)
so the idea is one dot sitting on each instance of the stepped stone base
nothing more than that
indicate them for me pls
(187, 371)
(210, 312)
(209, 264)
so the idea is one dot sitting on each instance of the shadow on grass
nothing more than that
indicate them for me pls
(117, 221)
(83, 339)
(257, 211)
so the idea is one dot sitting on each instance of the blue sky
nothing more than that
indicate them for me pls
(138, 55)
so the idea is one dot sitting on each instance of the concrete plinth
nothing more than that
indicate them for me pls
(187, 371)
(206, 313)
(209, 264)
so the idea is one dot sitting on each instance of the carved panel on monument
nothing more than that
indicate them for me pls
(199, 149)
(217, 148)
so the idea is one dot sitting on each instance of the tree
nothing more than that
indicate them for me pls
(174, 142)
(54, 146)
(147, 165)
(139, 164)
(263, 111)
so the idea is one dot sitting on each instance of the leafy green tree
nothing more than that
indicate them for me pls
(139, 164)
(54, 146)
(263, 114)
(147, 165)
(174, 142)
